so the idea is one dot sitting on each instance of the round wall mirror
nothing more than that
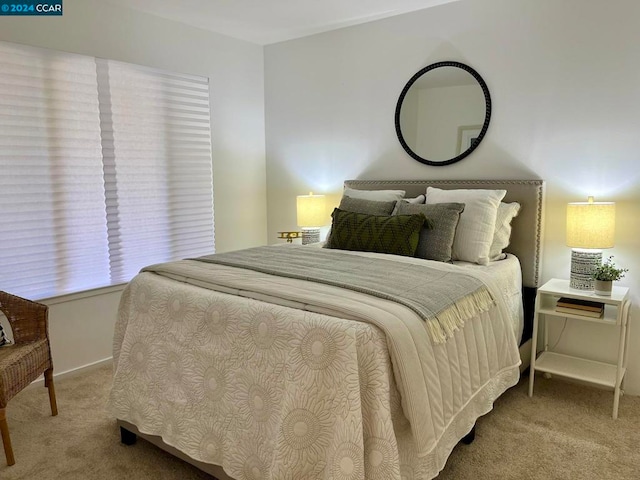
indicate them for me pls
(443, 113)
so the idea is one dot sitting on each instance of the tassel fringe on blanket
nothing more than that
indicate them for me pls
(445, 324)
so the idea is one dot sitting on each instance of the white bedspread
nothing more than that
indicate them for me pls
(294, 388)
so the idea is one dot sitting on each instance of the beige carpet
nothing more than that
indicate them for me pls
(564, 432)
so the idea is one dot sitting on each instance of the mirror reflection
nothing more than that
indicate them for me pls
(442, 113)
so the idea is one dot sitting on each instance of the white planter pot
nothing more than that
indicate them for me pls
(603, 287)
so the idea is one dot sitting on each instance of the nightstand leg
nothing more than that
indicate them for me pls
(622, 347)
(534, 347)
(625, 312)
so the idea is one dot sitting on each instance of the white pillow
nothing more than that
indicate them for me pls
(416, 200)
(419, 200)
(377, 195)
(474, 233)
(502, 234)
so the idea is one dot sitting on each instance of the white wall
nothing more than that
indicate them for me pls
(82, 329)
(564, 80)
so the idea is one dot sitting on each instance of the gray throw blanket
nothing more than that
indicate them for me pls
(444, 299)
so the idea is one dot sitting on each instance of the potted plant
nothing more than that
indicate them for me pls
(605, 275)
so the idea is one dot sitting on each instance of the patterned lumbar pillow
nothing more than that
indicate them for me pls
(435, 243)
(364, 205)
(3, 337)
(397, 234)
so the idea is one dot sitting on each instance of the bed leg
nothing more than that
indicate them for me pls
(127, 437)
(469, 437)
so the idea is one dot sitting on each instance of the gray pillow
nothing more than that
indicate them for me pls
(435, 243)
(378, 195)
(368, 207)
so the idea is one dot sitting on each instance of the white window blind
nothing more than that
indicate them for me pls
(53, 235)
(104, 167)
(157, 156)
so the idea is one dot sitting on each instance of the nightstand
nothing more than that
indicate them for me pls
(616, 314)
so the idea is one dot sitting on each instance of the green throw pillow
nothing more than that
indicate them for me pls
(397, 234)
(362, 205)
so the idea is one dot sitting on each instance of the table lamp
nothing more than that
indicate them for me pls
(590, 228)
(312, 214)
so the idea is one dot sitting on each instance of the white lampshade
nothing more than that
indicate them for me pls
(591, 224)
(312, 210)
(590, 228)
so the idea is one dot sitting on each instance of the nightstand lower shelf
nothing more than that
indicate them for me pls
(598, 373)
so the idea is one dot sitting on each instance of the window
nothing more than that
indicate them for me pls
(104, 167)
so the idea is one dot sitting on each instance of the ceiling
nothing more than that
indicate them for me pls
(270, 21)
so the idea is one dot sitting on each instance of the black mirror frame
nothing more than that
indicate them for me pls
(485, 126)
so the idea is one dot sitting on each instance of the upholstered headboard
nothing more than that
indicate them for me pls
(526, 236)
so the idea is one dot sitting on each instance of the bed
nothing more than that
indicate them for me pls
(249, 374)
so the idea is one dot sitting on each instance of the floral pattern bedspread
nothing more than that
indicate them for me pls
(275, 392)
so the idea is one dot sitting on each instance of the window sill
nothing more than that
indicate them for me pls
(70, 297)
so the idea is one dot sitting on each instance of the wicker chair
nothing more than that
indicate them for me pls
(25, 360)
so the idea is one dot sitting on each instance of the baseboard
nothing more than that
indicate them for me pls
(39, 382)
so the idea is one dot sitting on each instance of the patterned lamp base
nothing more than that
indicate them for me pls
(583, 264)
(310, 235)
